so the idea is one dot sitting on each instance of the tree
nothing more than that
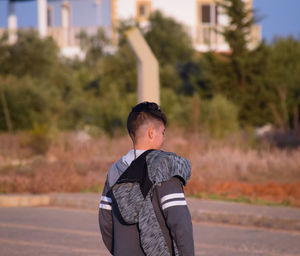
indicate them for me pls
(238, 36)
(168, 39)
(27, 103)
(237, 32)
(30, 55)
(172, 46)
(94, 45)
(239, 74)
(284, 82)
(118, 70)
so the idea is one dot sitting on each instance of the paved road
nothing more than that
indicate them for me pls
(61, 232)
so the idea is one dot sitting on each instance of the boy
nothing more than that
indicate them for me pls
(143, 209)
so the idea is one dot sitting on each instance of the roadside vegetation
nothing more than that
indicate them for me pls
(221, 170)
(62, 121)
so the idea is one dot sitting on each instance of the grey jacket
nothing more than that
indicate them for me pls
(143, 209)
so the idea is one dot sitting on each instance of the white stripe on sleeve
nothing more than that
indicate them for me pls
(106, 199)
(173, 203)
(105, 206)
(172, 196)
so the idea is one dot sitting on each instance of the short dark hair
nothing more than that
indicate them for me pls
(141, 113)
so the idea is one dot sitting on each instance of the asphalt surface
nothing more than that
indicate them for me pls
(64, 231)
(283, 218)
(208, 211)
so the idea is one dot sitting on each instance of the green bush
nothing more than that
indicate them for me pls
(77, 113)
(115, 107)
(27, 103)
(219, 117)
(37, 139)
(30, 55)
(177, 107)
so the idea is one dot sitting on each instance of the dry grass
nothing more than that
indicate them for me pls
(232, 170)
(70, 165)
(74, 164)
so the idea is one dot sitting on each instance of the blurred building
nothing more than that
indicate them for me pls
(201, 18)
(64, 19)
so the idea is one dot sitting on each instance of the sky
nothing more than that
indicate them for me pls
(279, 17)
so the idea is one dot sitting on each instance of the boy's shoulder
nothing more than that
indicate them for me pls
(117, 168)
(115, 171)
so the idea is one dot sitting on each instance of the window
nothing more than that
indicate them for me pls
(207, 20)
(208, 14)
(143, 10)
(205, 13)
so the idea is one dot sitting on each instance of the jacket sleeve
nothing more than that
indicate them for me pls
(105, 218)
(178, 219)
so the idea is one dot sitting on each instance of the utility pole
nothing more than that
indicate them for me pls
(148, 68)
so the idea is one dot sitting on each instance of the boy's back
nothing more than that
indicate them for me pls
(143, 210)
(119, 239)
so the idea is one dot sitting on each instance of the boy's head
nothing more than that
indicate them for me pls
(146, 125)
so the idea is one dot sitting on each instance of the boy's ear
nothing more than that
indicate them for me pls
(150, 132)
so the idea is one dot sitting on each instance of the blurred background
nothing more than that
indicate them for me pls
(229, 84)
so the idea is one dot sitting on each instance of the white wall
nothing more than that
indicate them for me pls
(182, 11)
(125, 9)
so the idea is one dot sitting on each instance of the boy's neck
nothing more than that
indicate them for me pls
(144, 146)
(141, 148)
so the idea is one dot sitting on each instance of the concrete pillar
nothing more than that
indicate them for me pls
(65, 15)
(65, 23)
(42, 17)
(148, 68)
(114, 22)
(12, 23)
